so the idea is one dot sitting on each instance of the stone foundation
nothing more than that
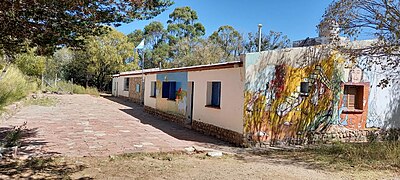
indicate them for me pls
(208, 129)
(137, 101)
(335, 133)
(167, 116)
(220, 133)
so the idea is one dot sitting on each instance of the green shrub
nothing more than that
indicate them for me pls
(66, 87)
(92, 91)
(76, 89)
(15, 86)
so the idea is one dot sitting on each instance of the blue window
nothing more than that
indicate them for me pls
(214, 94)
(169, 90)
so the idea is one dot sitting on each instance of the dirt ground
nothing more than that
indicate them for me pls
(180, 165)
(199, 166)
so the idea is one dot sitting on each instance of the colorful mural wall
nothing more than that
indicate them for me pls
(289, 95)
(353, 105)
(285, 100)
(177, 103)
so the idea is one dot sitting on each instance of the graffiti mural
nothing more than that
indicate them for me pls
(173, 101)
(353, 106)
(276, 108)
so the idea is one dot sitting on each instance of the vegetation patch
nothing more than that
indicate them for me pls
(340, 156)
(41, 101)
(15, 86)
(64, 87)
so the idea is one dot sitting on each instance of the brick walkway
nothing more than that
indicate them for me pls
(82, 125)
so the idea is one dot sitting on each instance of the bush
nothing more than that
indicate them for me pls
(66, 87)
(92, 91)
(15, 86)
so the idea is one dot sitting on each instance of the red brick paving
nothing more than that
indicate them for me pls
(83, 125)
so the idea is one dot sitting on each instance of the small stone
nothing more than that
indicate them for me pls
(190, 149)
(214, 154)
(138, 145)
(112, 157)
(24, 157)
(124, 131)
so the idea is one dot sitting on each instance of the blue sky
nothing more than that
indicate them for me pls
(295, 18)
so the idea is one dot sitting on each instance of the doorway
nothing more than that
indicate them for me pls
(189, 103)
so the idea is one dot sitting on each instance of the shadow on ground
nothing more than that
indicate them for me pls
(29, 161)
(289, 158)
(37, 168)
(170, 128)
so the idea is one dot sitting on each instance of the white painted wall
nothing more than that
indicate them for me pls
(114, 88)
(230, 114)
(121, 91)
(149, 101)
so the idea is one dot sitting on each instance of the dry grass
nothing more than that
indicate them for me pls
(41, 101)
(339, 156)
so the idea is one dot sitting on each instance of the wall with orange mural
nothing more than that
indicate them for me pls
(275, 106)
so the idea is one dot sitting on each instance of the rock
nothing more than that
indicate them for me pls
(214, 154)
(2, 176)
(24, 157)
(190, 149)
(137, 145)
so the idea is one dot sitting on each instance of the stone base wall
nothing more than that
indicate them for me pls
(335, 134)
(364, 135)
(167, 116)
(208, 129)
(349, 136)
(137, 101)
(220, 133)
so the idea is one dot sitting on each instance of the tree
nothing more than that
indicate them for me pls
(102, 56)
(30, 64)
(61, 58)
(136, 36)
(190, 53)
(46, 24)
(271, 41)
(156, 43)
(229, 40)
(379, 18)
(159, 54)
(154, 33)
(183, 23)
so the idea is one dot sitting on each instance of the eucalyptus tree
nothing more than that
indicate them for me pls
(230, 40)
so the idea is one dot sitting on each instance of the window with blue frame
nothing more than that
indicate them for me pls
(169, 90)
(213, 94)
